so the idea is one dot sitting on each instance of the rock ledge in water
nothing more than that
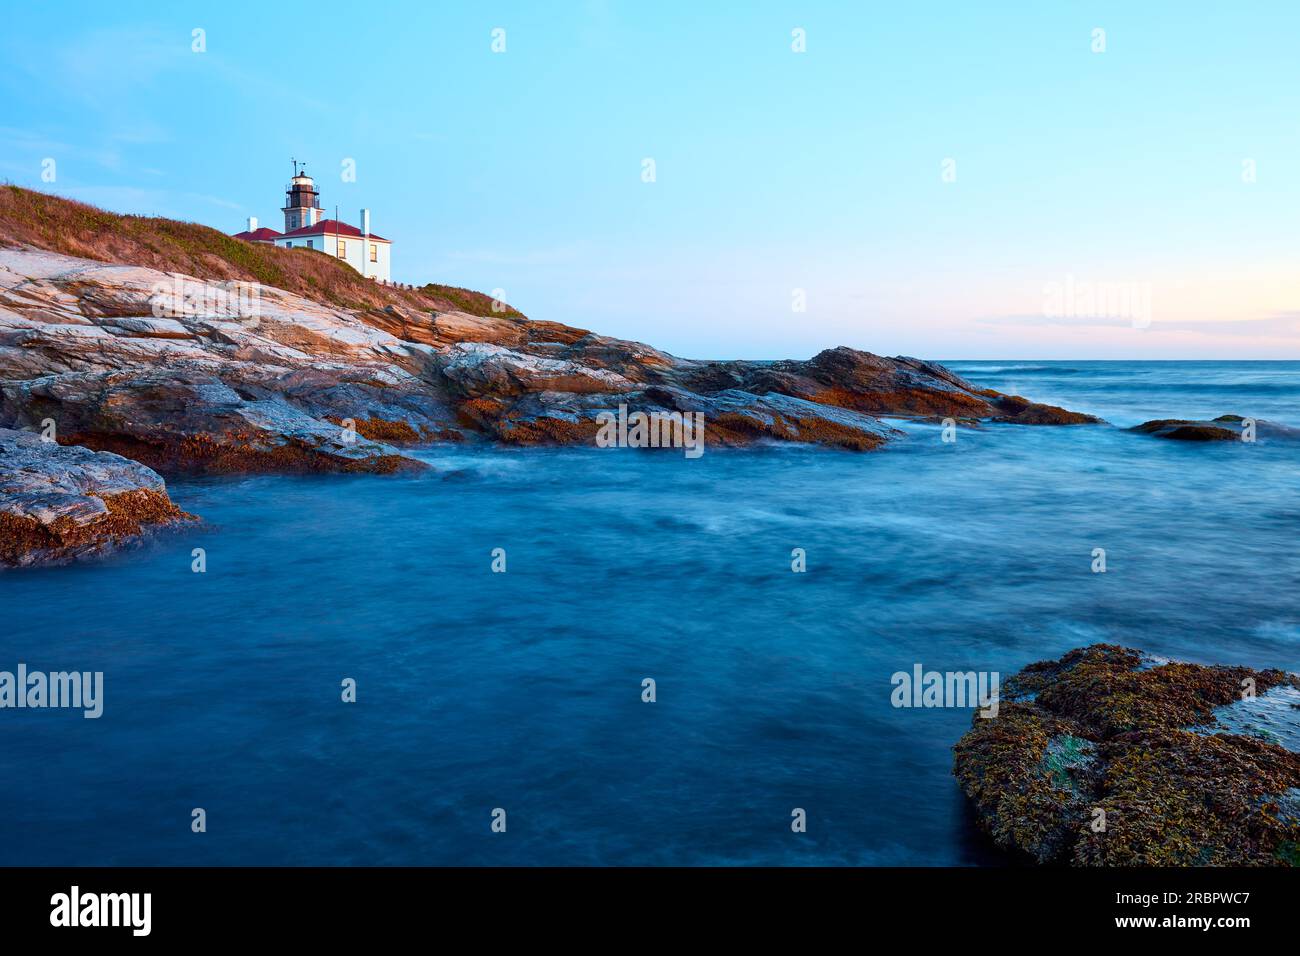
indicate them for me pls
(1103, 730)
(1223, 428)
(60, 502)
(138, 362)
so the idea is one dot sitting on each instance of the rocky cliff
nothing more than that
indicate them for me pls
(186, 375)
(221, 372)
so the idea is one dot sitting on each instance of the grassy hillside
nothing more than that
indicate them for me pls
(77, 229)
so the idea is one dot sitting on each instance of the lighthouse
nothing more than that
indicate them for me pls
(305, 227)
(302, 201)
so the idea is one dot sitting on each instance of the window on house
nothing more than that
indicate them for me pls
(310, 243)
(374, 252)
(289, 244)
(343, 249)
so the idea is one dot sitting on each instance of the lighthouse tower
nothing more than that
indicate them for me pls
(305, 227)
(302, 202)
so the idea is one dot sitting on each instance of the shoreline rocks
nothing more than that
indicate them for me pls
(1105, 757)
(1223, 428)
(59, 503)
(263, 380)
(164, 374)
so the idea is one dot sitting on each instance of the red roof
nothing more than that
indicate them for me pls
(329, 227)
(264, 234)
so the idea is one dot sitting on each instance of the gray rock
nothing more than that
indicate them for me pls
(1223, 428)
(62, 502)
(187, 376)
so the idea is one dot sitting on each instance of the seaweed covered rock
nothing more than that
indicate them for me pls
(1105, 757)
(58, 502)
(1223, 428)
(899, 387)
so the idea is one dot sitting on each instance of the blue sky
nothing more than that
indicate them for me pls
(1121, 173)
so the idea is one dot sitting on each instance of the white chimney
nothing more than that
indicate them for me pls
(365, 242)
(252, 224)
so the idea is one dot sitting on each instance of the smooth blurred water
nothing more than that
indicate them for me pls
(523, 690)
(1129, 393)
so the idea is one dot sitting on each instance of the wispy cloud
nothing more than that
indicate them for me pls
(105, 67)
(1074, 321)
(1276, 324)
(24, 151)
(555, 255)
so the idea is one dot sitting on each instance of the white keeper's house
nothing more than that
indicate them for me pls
(306, 228)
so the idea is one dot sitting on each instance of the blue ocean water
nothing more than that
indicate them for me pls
(522, 690)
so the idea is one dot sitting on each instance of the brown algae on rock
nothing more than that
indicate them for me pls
(1100, 758)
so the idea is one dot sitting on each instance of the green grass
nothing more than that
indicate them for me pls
(31, 218)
